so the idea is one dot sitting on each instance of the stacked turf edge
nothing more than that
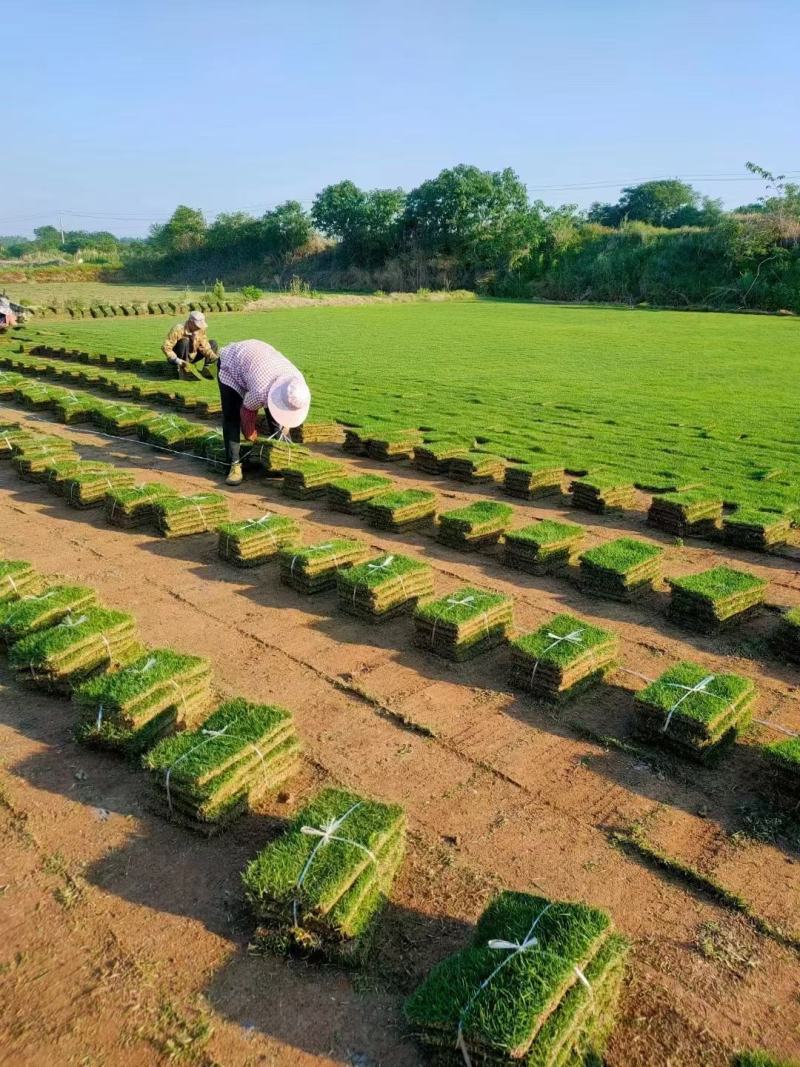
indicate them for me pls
(757, 530)
(538, 984)
(205, 778)
(476, 526)
(542, 548)
(393, 445)
(349, 495)
(310, 479)
(251, 542)
(692, 513)
(88, 488)
(384, 587)
(30, 613)
(621, 569)
(130, 709)
(785, 637)
(312, 569)
(134, 505)
(600, 495)
(782, 759)
(694, 711)
(18, 579)
(476, 468)
(464, 624)
(275, 457)
(531, 481)
(434, 457)
(179, 516)
(319, 433)
(562, 658)
(321, 886)
(401, 509)
(715, 598)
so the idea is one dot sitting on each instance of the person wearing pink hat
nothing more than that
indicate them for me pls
(254, 375)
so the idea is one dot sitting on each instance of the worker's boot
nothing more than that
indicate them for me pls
(235, 475)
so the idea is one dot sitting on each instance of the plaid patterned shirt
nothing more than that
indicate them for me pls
(251, 367)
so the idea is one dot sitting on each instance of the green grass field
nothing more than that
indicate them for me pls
(657, 397)
(61, 293)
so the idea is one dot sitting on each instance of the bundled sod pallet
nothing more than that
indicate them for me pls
(786, 636)
(276, 457)
(310, 478)
(783, 763)
(351, 494)
(464, 624)
(134, 505)
(319, 433)
(60, 472)
(621, 569)
(18, 618)
(475, 526)
(205, 778)
(693, 513)
(74, 408)
(122, 420)
(12, 440)
(321, 886)
(563, 657)
(530, 481)
(180, 516)
(476, 468)
(693, 711)
(384, 587)
(715, 598)
(63, 655)
(313, 568)
(254, 541)
(32, 461)
(88, 488)
(130, 709)
(401, 509)
(538, 984)
(393, 445)
(9, 380)
(601, 495)
(170, 432)
(542, 548)
(434, 457)
(35, 396)
(17, 579)
(758, 530)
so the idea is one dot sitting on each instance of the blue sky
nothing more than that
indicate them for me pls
(124, 110)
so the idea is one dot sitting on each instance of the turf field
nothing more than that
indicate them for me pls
(656, 397)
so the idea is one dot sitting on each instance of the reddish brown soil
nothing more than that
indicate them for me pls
(125, 939)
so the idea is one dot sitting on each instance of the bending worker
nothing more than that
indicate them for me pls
(187, 341)
(252, 375)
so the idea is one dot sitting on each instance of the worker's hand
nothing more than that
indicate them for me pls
(252, 437)
(181, 363)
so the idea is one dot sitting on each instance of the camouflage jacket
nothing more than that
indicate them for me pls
(198, 338)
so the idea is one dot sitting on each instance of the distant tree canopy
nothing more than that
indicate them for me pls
(184, 232)
(668, 202)
(367, 223)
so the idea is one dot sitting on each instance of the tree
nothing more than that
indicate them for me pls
(366, 223)
(285, 229)
(184, 232)
(781, 199)
(337, 209)
(667, 202)
(47, 237)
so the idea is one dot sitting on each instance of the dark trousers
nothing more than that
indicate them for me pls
(232, 421)
(183, 350)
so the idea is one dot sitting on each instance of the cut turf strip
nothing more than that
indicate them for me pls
(313, 568)
(715, 598)
(133, 505)
(310, 479)
(463, 624)
(275, 457)
(383, 587)
(545, 547)
(756, 530)
(621, 569)
(476, 468)
(562, 658)
(530, 481)
(434, 457)
(18, 579)
(349, 495)
(181, 516)
(393, 445)
(785, 638)
(476, 526)
(783, 764)
(319, 433)
(24, 616)
(693, 513)
(251, 542)
(321, 886)
(87, 488)
(601, 495)
(401, 509)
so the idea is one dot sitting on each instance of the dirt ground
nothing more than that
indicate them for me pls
(125, 939)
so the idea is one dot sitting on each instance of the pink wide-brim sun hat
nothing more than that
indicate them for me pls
(288, 400)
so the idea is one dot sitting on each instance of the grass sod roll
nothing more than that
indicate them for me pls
(133, 505)
(9, 380)
(310, 478)
(181, 516)
(35, 396)
(275, 457)
(476, 526)
(785, 638)
(18, 579)
(692, 513)
(562, 658)
(476, 468)
(252, 542)
(434, 457)
(542, 548)
(782, 760)
(529, 481)
(313, 568)
(621, 569)
(319, 433)
(349, 495)
(464, 624)
(538, 984)
(757, 530)
(714, 599)
(18, 618)
(601, 495)
(87, 488)
(401, 509)
(60, 472)
(383, 587)
(393, 445)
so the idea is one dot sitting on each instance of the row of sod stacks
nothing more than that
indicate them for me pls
(529, 481)
(692, 513)
(476, 468)
(601, 495)
(319, 433)
(464, 624)
(393, 445)
(621, 569)
(320, 887)
(205, 778)
(538, 984)
(275, 457)
(786, 636)
(310, 479)
(35, 395)
(476, 526)
(783, 762)
(349, 495)
(134, 505)
(18, 618)
(313, 568)
(128, 710)
(88, 488)
(18, 579)
(758, 530)
(401, 509)
(251, 542)
(563, 657)
(434, 457)
(63, 655)
(693, 711)
(179, 516)
(542, 548)
(715, 598)
(383, 587)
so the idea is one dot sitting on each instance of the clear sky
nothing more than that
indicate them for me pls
(123, 110)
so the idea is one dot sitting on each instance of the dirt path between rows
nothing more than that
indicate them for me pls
(125, 939)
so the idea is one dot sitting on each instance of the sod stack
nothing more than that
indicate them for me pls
(60, 472)
(621, 569)
(538, 984)
(393, 445)
(783, 762)
(694, 711)
(349, 495)
(17, 579)
(18, 618)
(9, 382)
(434, 457)
(255, 541)
(476, 526)
(384, 587)
(530, 481)
(600, 495)
(355, 442)
(463, 624)
(715, 598)
(63, 655)
(401, 509)
(134, 505)
(319, 433)
(311, 478)
(32, 460)
(73, 408)
(786, 635)
(123, 420)
(179, 516)
(205, 778)
(87, 488)
(562, 658)
(542, 548)
(130, 709)
(692, 513)
(275, 457)
(13, 439)
(758, 530)
(168, 432)
(207, 406)
(313, 568)
(476, 468)
(321, 886)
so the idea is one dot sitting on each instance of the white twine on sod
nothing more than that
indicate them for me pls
(574, 638)
(247, 524)
(27, 599)
(8, 578)
(455, 602)
(701, 687)
(383, 565)
(210, 735)
(148, 666)
(314, 548)
(514, 948)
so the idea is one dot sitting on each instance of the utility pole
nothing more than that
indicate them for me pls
(61, 227)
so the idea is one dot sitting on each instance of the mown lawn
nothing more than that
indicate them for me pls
(661, 398)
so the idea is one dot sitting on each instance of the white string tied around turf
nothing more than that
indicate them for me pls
(27, 599)
(701, 687)
(382, 566)
(574, 638)
(209, 735)
(313, 548)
